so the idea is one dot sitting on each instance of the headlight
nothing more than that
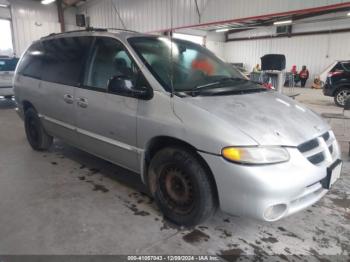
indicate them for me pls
(256, 155)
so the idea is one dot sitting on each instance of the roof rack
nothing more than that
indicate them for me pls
(121, 29)
(91, 29)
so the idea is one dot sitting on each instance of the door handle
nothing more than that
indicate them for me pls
(82, 102)
(68, 99)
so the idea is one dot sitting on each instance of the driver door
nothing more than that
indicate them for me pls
(106, 123)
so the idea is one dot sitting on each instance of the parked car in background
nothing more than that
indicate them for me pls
(198, 132)
(7, 68)
(337, 83)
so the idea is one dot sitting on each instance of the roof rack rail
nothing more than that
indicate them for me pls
(91, 29)
(87, 29)
(121, 29)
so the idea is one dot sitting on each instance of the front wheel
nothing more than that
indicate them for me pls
(181, 186)
(36, 135)
(341, 95)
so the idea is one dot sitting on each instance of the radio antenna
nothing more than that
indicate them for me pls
(171, 50)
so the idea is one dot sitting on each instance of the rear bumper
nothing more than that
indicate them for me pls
(268, 192)
(328, 90)
(6, 91)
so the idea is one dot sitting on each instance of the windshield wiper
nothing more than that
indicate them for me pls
(200, 88)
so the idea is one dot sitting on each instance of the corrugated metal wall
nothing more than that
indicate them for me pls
(32, 20)
(152, 15)
(316, 51)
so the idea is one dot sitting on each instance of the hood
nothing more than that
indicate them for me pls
(267, 117)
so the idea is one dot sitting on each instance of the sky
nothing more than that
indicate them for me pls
(5, 38)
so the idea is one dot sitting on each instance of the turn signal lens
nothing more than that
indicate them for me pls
(232, 153)
(256, 155)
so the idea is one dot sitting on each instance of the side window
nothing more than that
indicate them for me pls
(65, 59)
(31, 64)
(109, 59)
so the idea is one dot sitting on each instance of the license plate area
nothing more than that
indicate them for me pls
(333, 174)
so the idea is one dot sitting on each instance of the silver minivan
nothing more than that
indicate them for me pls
(200, 134)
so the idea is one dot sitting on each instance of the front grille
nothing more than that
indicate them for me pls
(320, 150)
(307, 146)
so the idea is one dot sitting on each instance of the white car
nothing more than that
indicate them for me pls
(7, 68)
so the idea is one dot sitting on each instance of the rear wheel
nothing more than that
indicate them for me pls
(36, 135)
(181, 186)
(341, 95)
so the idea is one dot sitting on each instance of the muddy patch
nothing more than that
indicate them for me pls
(100, 188)
(271, 240)
(231, 254)
(94, 171)
(288, 233)
(141, 198)
(259, 252)
(224, 233)
(318, 256)
(54, 163)
(196, 236)
(97, 187)
(136, 211)
(343, 203)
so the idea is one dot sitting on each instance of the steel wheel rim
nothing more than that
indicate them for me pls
(177, 189)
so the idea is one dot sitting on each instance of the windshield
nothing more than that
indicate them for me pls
(188, 65)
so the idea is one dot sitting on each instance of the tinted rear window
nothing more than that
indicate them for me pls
(65, 59)
(31, 64)
(8, 64)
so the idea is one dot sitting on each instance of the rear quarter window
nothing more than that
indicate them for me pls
(31, 63)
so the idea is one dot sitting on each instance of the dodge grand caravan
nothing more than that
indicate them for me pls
(199, 134)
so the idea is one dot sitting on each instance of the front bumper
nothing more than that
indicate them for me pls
(267, 192)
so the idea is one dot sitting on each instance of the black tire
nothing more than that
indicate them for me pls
(340, 96)
(36, 135)
(181, 186)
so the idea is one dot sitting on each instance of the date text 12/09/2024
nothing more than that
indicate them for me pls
(173, 258)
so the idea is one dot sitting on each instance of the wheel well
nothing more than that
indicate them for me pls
(27, 105)
(159, 143)
(339, 88)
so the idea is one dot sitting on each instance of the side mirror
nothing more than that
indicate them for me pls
(122, 85)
